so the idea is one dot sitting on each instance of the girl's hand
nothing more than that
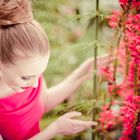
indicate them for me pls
(66, 125)
(85, 70)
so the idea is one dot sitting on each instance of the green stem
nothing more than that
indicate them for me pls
(119, 35)
(95, 64)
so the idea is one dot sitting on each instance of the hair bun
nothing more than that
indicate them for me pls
(15, 11)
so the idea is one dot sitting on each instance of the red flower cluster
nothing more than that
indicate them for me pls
(123, 2)
(133, 34)
(124, 89)
(130, 4)
(128, 87)
(109, 118)
(130, 112)
(131, 39)
(114, 18)
(133, 77)
(107, 73)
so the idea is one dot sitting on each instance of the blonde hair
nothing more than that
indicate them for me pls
(20, 34)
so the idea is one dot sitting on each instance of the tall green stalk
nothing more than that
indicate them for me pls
(95, 64)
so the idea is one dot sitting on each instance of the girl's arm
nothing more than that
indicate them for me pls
(46, 134)
(57, 94)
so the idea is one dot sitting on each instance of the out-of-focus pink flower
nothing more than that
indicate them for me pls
(123, 1)
(114, 18)
(126, 91)
(136, 5)
(107, 73)
(132, 33)
(130, 5)
(114, 89)
(109, 118)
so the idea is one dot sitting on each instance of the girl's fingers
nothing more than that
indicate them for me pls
(72, 114)
(87, 66)
(84, 124)
(104, 60)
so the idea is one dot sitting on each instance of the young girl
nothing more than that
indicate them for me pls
(24, 97)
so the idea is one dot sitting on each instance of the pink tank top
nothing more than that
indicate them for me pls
(20, 114)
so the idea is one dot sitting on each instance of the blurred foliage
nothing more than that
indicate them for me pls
(70, 26)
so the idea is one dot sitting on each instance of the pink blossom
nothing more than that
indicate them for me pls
(109, 118)
(129, 113)
(130, 5)
(114, 89)
(114, 18)
(107, 73)
(128, 21)
(133, 34)
(124, 2)
(136, 5)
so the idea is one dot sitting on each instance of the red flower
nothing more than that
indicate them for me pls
(130, 5)
(129, 66)
(114, 89)
(107, 74)
(114, 18)
(129, 113)
(109, 118)
(123, 2)
(136, 5)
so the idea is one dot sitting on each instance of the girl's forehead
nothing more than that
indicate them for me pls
(31, 60)
(30, 66)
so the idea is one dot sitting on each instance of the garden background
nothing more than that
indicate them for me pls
(81, 29)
